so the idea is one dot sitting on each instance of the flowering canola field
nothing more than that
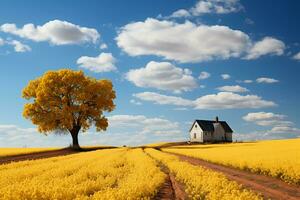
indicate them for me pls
(104, 174)
(203, 183)
(21, 151)
(277, 158)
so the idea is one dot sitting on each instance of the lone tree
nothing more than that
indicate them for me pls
(68, 101)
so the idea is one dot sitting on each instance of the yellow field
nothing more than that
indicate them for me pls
(277, 158)
(133, 173)
(202, 183)
(103, 174)
(21, 151)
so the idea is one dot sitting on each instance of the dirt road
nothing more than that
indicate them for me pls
(270, 188)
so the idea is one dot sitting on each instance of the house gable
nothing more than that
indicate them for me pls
(193, 126)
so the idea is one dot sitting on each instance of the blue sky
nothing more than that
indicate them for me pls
(170, 62)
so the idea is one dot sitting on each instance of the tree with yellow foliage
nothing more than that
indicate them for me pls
(68, 101)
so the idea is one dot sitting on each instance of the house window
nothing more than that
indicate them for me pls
(195, 125)
(195, 135)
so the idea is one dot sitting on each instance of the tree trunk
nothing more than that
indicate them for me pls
(74, 133)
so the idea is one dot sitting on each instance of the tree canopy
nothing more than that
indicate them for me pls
(68, 101)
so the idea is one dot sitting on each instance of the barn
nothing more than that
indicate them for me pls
(210, 131)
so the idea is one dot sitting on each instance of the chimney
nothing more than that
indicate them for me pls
(217, 119)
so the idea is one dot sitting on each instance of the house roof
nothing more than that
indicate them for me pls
(208, 125)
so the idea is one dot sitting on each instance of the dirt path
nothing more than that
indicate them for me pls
(45, 154)
(270, 188)
(171, 189)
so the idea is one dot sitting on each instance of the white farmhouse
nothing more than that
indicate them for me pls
(210, 131)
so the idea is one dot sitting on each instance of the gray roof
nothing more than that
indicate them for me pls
(207, 125)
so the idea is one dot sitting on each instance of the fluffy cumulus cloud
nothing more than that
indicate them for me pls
(103, 46)
(229, 100)
(105, 62)
(204, 75)
(215, 6)
(280, 128)
(180, 13)
(267, 45)
(266, 80)
(185, 42)
(19, 46)
(208, 7)
(232, 88)
(267, 119)
(189, 42)
(225, 76)
(221, 100)
(56, 32)
(145, 124)
(163, 99)
(296, 56)
(262, 116)
(163, 76)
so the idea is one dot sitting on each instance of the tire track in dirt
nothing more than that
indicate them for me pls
(269, 187)
(171, 189)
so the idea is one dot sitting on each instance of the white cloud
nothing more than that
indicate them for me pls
(263, 116)
(185, 42)
(163, 76)
(232, 88)
(189, 42)
(180, 13)
(267, 119)
(267, 45)
(267, 135)
(229, 100)
(221, 100)
(105, 62)
(274, 123)
(297, 56)
(19, 47)
(266, 80)
(56, 32)
(281, 128)
(244, 81)
(204, 75)
(225, 76)
(103, 46)
(209, 6)
(147, 125)
(285, 129)
(163, 99)
(216, 6)
(133, 101)
(15, 136)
